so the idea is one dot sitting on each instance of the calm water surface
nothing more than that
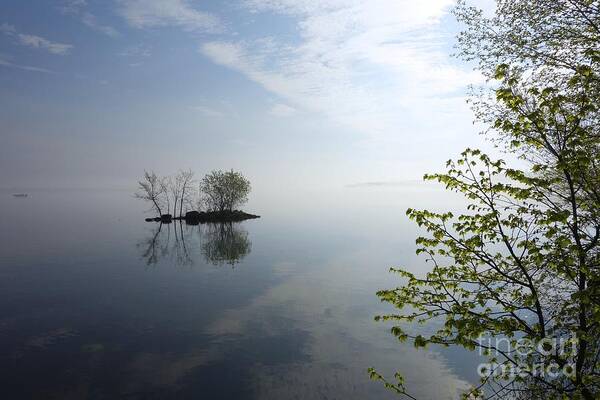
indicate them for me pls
(95, 303)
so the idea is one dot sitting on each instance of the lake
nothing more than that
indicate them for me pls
(96, 303)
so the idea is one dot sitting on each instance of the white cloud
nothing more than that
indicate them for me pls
(42, 43)
(137, 51)
(282, 110)
(78, 8)
(7, 29)
(72, 6)
(35, 41)
(91, 21)
(367, 65)
(6, 62)
(161, 13)
(208, 112)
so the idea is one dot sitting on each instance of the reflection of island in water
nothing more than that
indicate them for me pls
(218, 243)
(225, 243)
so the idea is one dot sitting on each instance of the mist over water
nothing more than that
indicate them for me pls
(96, 303)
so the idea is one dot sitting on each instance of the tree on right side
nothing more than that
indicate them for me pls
(522, 263)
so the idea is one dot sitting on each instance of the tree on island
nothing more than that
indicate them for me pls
(220, 193)
(162, 192)
(187, 197)
(517, 275)
(224, 190)
(180, 189)
(152, 188)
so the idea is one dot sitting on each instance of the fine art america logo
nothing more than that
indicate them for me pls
(547, 358)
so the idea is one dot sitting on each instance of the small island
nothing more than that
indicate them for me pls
(201, 217)
(219, 193)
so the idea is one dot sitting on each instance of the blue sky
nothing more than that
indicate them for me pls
(304, 93)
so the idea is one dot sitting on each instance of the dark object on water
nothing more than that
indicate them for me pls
(198, 217)
(225, 216)
(192, 217)
(20, 194)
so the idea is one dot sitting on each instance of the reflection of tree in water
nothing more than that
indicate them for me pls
(219, 243)
(225, 243)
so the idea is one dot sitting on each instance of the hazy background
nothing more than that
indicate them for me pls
(300, 95)
(334, 111)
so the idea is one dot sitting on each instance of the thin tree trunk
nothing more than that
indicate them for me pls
(181, 202)
(157, 208)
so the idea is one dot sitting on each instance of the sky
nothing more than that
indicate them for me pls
(296, 94)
